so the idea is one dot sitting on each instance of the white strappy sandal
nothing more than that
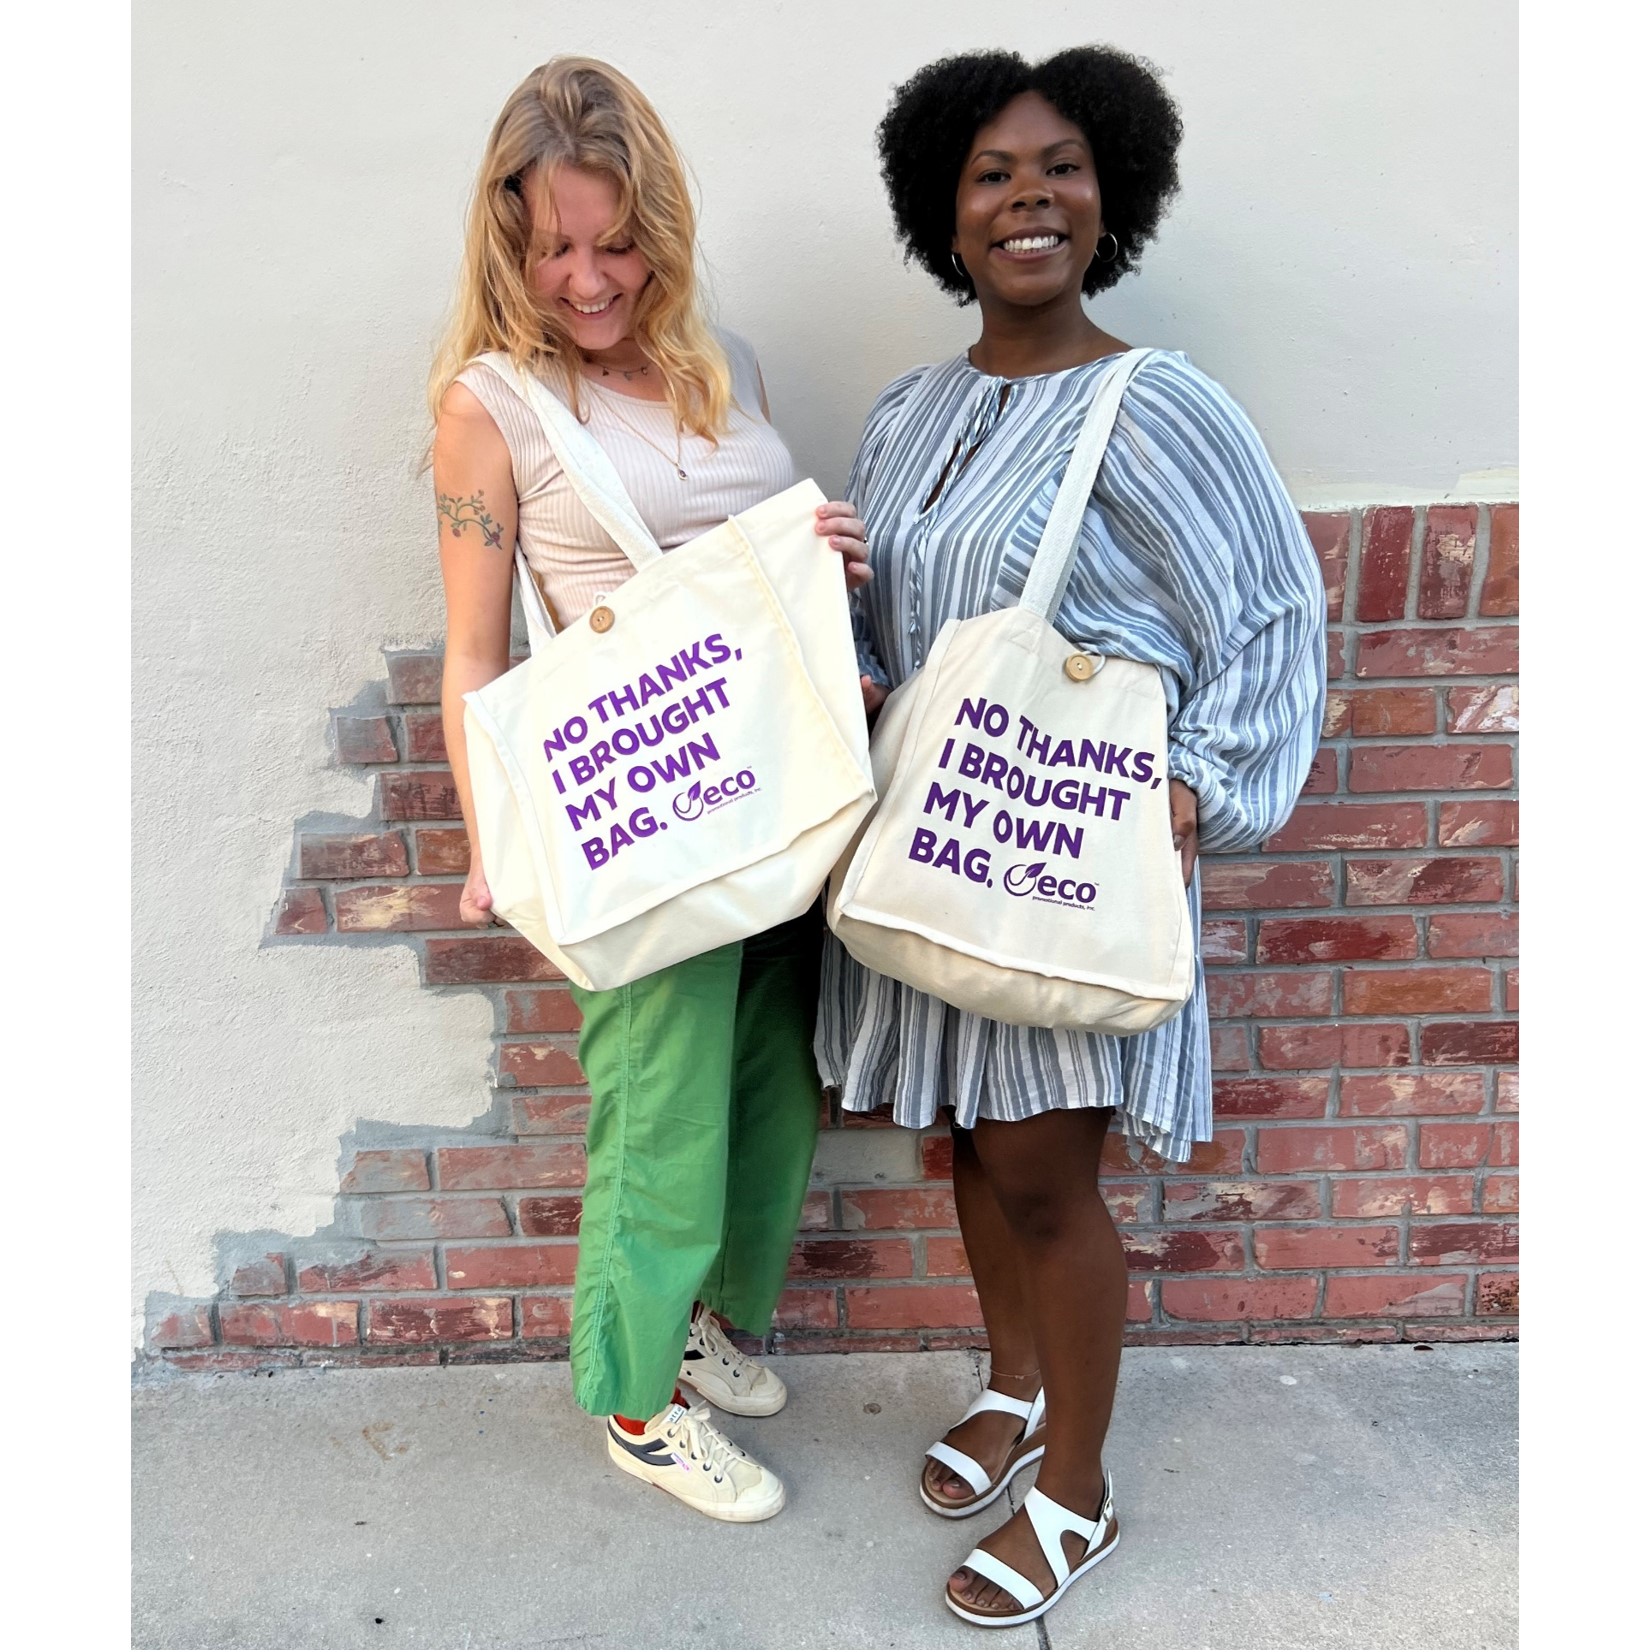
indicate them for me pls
(1051, 1522)
(986, 1490)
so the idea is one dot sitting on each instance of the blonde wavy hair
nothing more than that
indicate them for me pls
(578, 111)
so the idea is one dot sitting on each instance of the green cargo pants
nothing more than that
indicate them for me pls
(704, 1109)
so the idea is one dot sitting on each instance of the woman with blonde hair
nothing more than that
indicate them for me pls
(580, 264)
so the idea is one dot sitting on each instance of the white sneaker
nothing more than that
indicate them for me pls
(684, 1453)
(730, 1380)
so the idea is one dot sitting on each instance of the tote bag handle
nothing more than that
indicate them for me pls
(593, 479)
(1057, 549)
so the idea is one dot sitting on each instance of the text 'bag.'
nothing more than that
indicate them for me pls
(681, 767)
(1021, 863)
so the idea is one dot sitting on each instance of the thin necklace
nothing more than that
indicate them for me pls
(675, 463)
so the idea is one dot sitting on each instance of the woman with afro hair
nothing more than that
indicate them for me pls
(1025, 188)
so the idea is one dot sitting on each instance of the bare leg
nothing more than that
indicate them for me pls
(1044, 1172)
(993, 1259)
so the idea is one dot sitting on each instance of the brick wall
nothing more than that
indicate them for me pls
(1362, 1184)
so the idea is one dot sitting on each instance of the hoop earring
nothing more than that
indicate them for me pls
(1116, 247)
(957, 263)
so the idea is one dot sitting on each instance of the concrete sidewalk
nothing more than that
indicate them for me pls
(1270, 1497)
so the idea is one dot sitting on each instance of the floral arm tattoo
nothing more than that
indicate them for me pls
(467, 513)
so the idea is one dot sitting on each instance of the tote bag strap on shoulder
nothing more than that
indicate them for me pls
(592, 477)
(1057, 549)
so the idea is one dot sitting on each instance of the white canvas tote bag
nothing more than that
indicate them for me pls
(1021, 863)
(680, 767)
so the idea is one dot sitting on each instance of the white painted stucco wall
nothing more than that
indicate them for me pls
(1342, 256)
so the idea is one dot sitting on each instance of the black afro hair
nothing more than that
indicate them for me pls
(1130, 121)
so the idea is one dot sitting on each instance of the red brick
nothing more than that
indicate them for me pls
(1327, 1045)
(1472, 935)
(1352, 826)
(266, 1276)
(1416, 992)
(1326, 1247)
(540, 1010)
(539, 1164)
(936, 1158)
(485, 959)
(806, 1310)
(1422, 882)
(1182, 1250)
(1510, 991)
(182, 1328)
(441, 1319)
(1229, 1049)
(1323, 776)
(1482, 651)
(1490, 709)
(1482, 822)
(1393, 1295)
(538, 1064)
(1451, 768)
(1127, 1201)
(1235, 885)
(1453, 1244)
(426, 740)
(1333, 1147)
(852, 1259)
(1506, 1092)
(1271, 1098)
(945, 1259)
(1331, 536)
(549, 1115)
(1376, 1094)
(1469, 1043)
(1402, 1196)
(1139, 1302)
(1241, 1201)
(373, 1270)
(1500, 1195)
(1325, 1334)
(235, 1359)
(1235, 1299)
(1337, 714)
(1374, 1046)
(1383, 567)
(546, 1316)
(397, 906)
(1225, 941)
(1499, 597)
(1221, 1157)
(415, 679)
(418, 794)
(1334, 940)
(1453, 1146)
(509, 1267)
(300, 912)
(880, 1209)
(433, 1219)
(1447, 554)
(1504, 1143)
(1394, 711)
(911, 1307)
(351, 855)
(441, 851)
(812, 1342)
(816, 1211)
(550, 1216)
(1335, 655)
(1498, 1293)
(289, 1324)
(387, 1170)
(364, 739)
(1260, 993)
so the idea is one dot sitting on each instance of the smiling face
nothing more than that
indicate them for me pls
(581, 259)
(1028, 206)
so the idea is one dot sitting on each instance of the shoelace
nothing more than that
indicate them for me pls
(706, 1444)
(714, 1341)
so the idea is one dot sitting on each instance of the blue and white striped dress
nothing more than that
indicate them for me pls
(1193, 558)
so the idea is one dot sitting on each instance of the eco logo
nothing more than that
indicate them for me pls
(1029, 880)
(699, 797)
